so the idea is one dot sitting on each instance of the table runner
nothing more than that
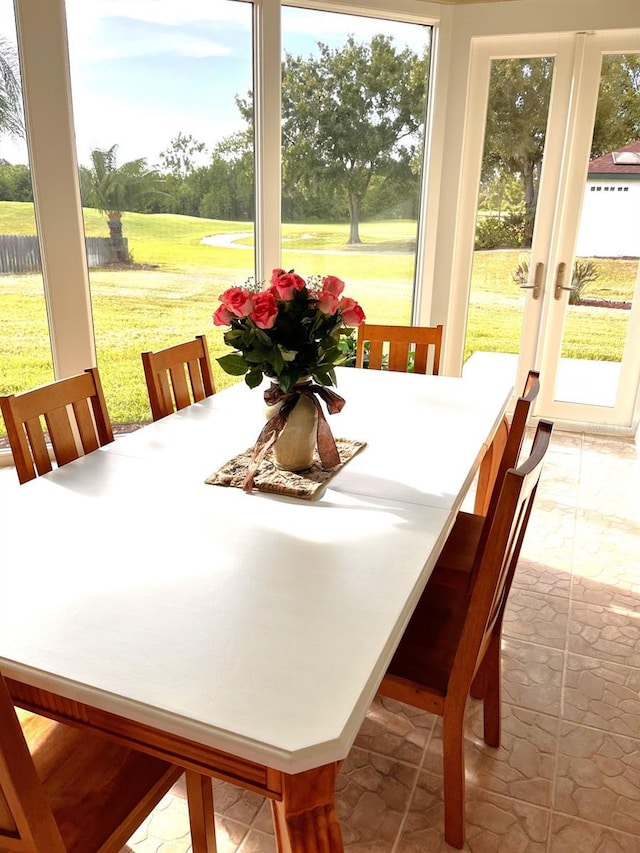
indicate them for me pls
(305, 485)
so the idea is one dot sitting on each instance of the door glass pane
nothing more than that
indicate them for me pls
(354, 104)
(605, 274)
(166, 175)
(517, 111)
(25, 348)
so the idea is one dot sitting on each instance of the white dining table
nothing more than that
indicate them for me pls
(239, 635)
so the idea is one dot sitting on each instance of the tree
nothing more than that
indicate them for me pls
(112, 189)
(517, 112)
(349, 114)
(517, 121)
(179, 159)
(11, 121)
(15, 182)
(618, 114)
(229, 180)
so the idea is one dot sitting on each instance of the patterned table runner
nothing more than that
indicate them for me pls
(269, 478)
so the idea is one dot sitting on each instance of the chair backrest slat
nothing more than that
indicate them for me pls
(195, 378)
(34, 446)
(74, 413)
(178, 376)
(425, 341)
(180, 387)
(61, 435)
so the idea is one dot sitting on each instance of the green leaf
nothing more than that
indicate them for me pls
(253, 378)
(324, 377)
(233, 364)
(233, 336)
(275, 359)
(262, 337)
(288, 354)
(285, 382)
(256, 356)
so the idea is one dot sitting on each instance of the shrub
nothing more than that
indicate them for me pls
(584, 274)
(510, 232)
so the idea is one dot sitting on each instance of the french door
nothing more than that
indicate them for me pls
(581, 243)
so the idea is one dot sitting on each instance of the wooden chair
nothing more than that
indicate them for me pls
(64, 789)
(181, 373)
(456, 561)
(451, 645)
(400, 340)
(75, 415)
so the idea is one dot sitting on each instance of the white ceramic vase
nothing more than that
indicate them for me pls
(295, 448)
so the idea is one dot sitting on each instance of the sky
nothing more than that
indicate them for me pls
(143, 71)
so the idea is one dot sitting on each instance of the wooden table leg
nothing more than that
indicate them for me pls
(201, 812)
(306, 819)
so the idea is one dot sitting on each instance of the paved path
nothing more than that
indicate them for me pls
(228, 241)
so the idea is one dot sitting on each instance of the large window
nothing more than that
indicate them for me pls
(25, 349)
(353, 123)
(166, 175)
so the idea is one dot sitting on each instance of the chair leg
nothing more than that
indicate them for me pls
(453, 768)
(492, 697)
(201, 812)
(479, 684)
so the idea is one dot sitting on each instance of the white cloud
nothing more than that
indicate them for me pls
(156, 44)
(166, 12)
(329, 28)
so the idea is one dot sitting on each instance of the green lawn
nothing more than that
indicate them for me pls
(173, 297)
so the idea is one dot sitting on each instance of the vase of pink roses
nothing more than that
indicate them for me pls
(289, 330)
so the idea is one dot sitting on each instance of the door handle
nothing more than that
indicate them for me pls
(537, 282)
(560, 285)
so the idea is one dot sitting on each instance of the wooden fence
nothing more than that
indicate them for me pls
(20, 253)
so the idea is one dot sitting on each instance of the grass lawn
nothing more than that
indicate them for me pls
(172, 298)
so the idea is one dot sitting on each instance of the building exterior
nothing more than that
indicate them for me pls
(610, 220)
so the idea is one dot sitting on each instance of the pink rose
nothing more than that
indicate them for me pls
(275, 275)
(352, 313)
(332, 284)
(265, 310)
(222, 316)
(237, 301)
(286, 284)
(327, 303)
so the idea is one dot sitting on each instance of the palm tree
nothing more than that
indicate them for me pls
(113, 189)
(11, 121)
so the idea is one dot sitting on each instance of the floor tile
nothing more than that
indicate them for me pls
(576, 836)
(522, 767)
(258, 842)
(599, 778)
(373, 794)
(548, 578)
(493, 823)
(396, 730)
(602, 695)
(537, 618)
(532, 676)
(236, 803)
(606, 633)
(610, 585)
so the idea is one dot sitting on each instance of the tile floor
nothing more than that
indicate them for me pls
(567, 776)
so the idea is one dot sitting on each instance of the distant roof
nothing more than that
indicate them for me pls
(616, 163)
